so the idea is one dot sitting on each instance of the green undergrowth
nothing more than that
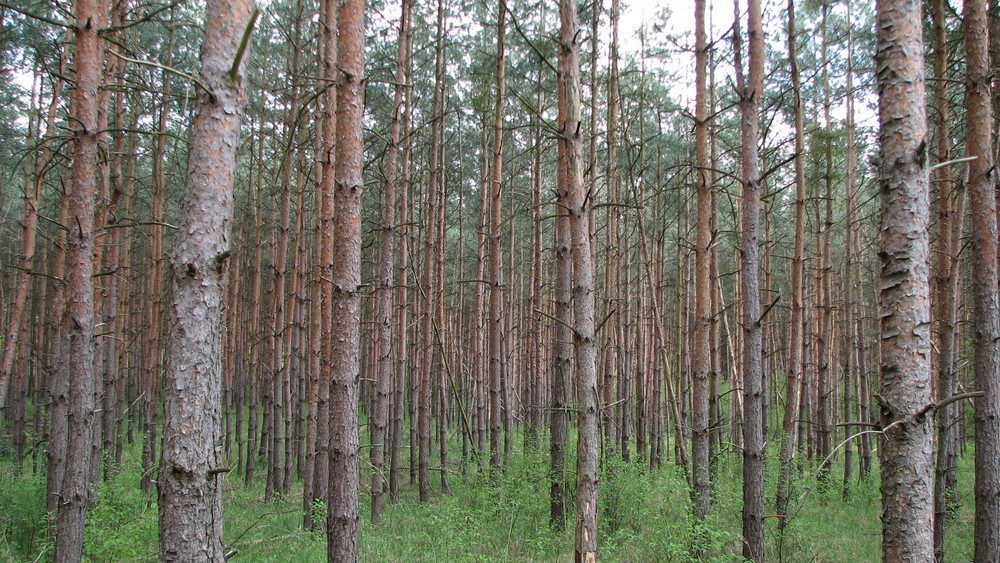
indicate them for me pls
(644, 517)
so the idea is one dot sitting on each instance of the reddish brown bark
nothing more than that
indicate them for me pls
(189, 483)
(342, 503)
(78, 319)
(32, 195)
(986, 309)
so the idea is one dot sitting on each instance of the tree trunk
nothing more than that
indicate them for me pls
(824, 320)
(906, 452)
(946, 287)
(402, 364)
(701, 358)
(190, 492)
(325, 242)
(383, 316)
(853, 294)
(78, 319)
(796, 342)
(986, 312)
(342, 504)
(152, 361)
(754, 451)
(579, 203)
(561, 358)
(497, 363)
(32, 196)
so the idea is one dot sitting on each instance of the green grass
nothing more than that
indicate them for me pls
(645, 516)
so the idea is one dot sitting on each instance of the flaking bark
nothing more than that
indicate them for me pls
(189, 483)
(906, 454)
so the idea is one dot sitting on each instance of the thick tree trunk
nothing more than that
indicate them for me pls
(906, 453)
(342, 504)
(190, 492)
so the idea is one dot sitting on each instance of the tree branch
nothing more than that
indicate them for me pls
(34, 16)
(180, 73)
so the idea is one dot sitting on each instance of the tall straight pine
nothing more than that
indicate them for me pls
(344, 477)
(906, 456)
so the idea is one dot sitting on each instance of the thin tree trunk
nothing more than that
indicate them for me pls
(32, 196)
(383, 316)
(78, 320)
(402, 364)
(255, 354)
(793, 369)
(325, 242)
(754, 451)
(986, 310)
(152, 362)
(497, 364)
(853, 295)
(825, 339)
(579, 203)
(561, 356)
(701, 358)
(946, 286)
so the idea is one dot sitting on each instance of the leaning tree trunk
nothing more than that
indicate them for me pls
(35, 176)
(906, 454)
(190, 488)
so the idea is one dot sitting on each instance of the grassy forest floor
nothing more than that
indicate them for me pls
(644, 516)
